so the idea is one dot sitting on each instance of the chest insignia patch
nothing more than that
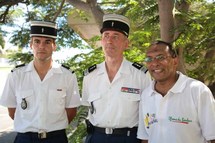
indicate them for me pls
(130, 90)
(23, 104)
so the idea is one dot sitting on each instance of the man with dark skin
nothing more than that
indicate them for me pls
(174, 108)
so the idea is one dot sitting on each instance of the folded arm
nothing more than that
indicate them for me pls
(11, 112)
(71, 113)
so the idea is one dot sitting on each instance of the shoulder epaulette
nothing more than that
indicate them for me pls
(140, 67)
(18, 66)
(90, 69)
(66, 67)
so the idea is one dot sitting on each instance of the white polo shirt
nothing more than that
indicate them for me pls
(115, 104)
(46, 100)
(186, 114)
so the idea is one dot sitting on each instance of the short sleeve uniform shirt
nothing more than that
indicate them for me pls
(115, 103)
(46, 100)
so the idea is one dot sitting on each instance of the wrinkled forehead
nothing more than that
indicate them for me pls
(157, 49)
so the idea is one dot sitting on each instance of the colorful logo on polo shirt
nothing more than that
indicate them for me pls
(181, 120)
(150, 119)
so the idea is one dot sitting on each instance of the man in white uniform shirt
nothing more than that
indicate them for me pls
(174, 108)
(112, 88)
(41, 96)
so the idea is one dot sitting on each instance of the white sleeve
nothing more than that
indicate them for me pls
(8, 98)
(206, 112)
(141, 133)
(73, 98)
(84, 93)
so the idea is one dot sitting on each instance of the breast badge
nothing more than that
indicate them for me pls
(23, 104)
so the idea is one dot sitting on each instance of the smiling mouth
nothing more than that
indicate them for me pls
(157, 71)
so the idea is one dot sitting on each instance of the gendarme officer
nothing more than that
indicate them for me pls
(41, 96)
(112, 88)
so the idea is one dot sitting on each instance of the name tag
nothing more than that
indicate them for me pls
(130, 90)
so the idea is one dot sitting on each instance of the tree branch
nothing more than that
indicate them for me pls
(59, 10)
(8, 4)
(79, 4)
(90, 6)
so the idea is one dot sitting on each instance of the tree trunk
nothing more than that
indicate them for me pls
(168, 22)
(166, 19)
(210, 55)
(178, 22)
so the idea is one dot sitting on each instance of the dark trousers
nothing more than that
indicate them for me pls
(98, 137)
(33, 138)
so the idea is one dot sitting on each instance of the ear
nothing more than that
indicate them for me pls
(31, 44)
(54, 46)
(127, 43)
(176, 61)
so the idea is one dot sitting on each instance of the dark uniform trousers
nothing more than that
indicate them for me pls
(51, 137)
(107, 135)
(98, 137)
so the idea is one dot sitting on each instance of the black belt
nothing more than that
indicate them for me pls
(116, 131)
(44, 135)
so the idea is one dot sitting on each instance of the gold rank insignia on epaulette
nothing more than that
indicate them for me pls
(90, 69)
(18, 66)
(66, 67)
(140, 67)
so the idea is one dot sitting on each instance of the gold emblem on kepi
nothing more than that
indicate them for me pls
(23, 104)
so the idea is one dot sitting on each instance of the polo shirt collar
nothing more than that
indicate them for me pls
(177, 87)
(180, 83)
(151, 89)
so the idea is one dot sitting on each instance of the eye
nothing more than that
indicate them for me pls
(105, 36)
(36, 42)
(48, 42)
(116, 37)
(160, 57)
(148, 59)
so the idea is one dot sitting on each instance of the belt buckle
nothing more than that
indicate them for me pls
(42, 135)
(108, 130)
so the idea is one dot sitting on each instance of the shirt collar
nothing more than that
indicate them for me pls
(177, 87)
(180, 83)
(124, 68)
(151, 89)
(55, 67)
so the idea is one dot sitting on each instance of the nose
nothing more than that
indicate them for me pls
(153, 63)
(42, 45)
(109, 39)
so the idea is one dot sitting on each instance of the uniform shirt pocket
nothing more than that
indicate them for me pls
(95, 102)
(56, 101)
(130, 102)
(131, 96)
(26, 96)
